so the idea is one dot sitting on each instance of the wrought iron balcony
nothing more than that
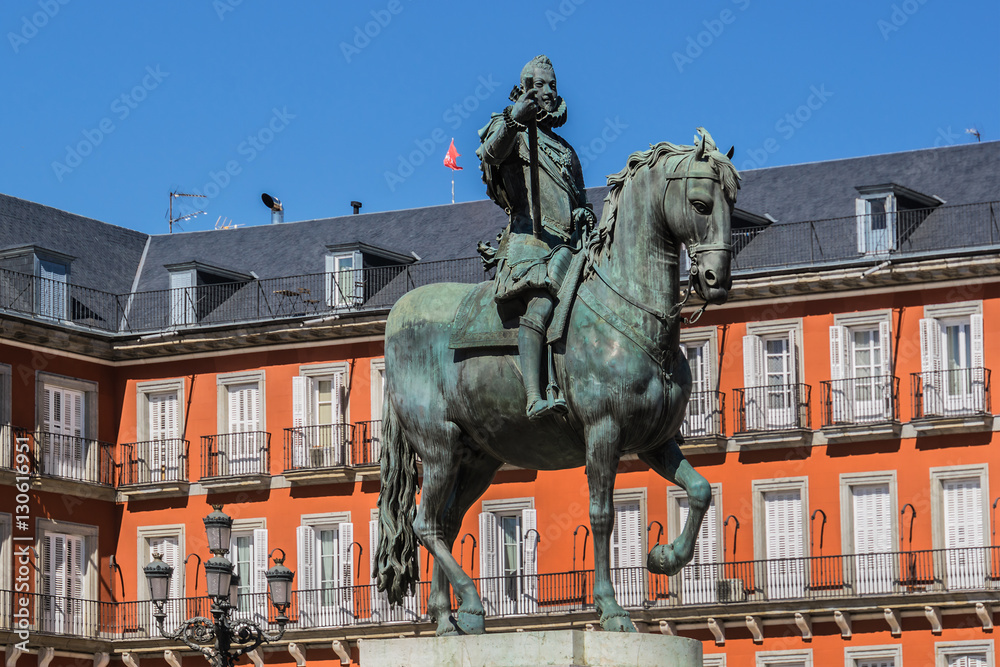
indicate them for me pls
(776, 407)
(155, 461)
(705, 416)
(370, 442)
(860, 400)
(236, 454)
(319, 446)
(68, 457)
(959, 392)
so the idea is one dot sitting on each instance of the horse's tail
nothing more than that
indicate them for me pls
(396, 556)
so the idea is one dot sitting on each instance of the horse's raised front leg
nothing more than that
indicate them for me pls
(602, 467)
(474, 477)
(671, 464)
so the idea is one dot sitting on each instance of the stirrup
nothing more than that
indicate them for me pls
(557, 404)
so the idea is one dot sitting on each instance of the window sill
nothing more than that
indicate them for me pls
(792, 437)
(72, 487)
(154, 490)
(309, 476)
(952, 425)
(704, 444)
(235, 482)
(840, 433)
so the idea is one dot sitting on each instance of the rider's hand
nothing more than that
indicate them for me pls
(526, 108)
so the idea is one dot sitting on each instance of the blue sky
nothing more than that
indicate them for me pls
(109, 106)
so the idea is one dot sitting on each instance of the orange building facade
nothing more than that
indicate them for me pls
(841, 411)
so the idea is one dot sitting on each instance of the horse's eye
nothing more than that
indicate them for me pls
(701, 207)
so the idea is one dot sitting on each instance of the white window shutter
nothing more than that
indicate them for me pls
(346, 538)
(840, 372)
(978, 362)
(308, 597)
(699, 577)
(47, 412)
(236, 410)
(784, 539)
(529, 565)
(379, 600)
(488, 566)
(755, 399)
(260, 560)
(890, 221)
(863, 224)
(300, 419)
(885, 347)
(930, 363)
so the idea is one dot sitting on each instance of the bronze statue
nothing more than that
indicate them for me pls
(625, 383)
(535, 176)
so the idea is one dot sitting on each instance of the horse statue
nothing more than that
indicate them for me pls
(624, 380)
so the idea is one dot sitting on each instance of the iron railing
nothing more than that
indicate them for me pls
(861, 400)
(227, 454)
(705, 416)
(960, 392)
(320, 446)
(154, 461)
(70, 457)
(58, 301)
(902, 574)
(774, 407)
(370, 442)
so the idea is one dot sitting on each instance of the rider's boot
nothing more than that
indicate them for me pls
(530, 345)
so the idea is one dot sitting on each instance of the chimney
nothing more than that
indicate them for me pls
(357, 207)
(277, 210)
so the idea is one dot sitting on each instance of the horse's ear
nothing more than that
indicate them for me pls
(701, 148)
(732, 151)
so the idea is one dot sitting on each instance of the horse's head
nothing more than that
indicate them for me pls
(698, 202)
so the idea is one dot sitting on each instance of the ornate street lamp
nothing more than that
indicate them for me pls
(221, 639)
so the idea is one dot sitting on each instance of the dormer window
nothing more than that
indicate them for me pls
(345, 286)
(357, 272)
(53, 290)
(197, 291)
(887, 215)
(48, 295)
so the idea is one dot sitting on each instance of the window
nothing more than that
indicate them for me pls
(249, 554)
(373, 437)
(874, 656)
(780, 528)
(772, 396)
(868, 511)
(876, 215)
(953, 377)
(322, 432)
(345, 284)
(325, 547)
(68, 576)
(53, 291)
(965, 654)
(704, 409)
(182, 297)
(799, 658)
(959, 518)
(168, 541)
(508, 556)
(67, 414)
(861, 383)
(382, 611)
(242, 442)
(160, 454)
(628, 554)
(702, 579)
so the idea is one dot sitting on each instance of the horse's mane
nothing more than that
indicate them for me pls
(730, 178)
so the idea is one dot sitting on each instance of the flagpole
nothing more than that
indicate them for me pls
(453, 191)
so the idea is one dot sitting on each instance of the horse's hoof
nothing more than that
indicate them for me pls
(446, 627)
(470, 622)
(662, 559)
(618, 622)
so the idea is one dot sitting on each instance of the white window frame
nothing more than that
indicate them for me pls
(60, 295)
(866, 235)
(780, 658)
(631, 591)
(171, 454)
(334, 298)
(936, 401)
(320, 448)
(312, 608)
(759, 488)
(704, 593)
(90, 536)
(755, 375)
(865, 564)
(183, 284)
(844, 326)
(242, 455)
(853, 655)
(256, 529)
(495, 597)
(225, 380)
(945, 650)
(378, 396)
(90, 390)
(939, 475)
(706, 422)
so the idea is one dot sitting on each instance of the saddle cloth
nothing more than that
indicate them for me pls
(478, 323)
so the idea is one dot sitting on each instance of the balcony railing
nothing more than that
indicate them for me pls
(705, 416)
(155, 461)
(774, 407)
(70, 457)
(370, 442)
(961, 392)
(321, 446)
(861, 400)
(907, 574)
(229, 454)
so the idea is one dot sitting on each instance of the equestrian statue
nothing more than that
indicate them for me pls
(590, 310)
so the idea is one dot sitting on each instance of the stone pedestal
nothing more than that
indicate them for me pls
(554, 648)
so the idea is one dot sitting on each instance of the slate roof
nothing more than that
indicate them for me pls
(821, 191)
(106, 256)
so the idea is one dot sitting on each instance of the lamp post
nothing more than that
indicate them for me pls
(221, 639)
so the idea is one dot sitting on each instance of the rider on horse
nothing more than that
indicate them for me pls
(534, 259)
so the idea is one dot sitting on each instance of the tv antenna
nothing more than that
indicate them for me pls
(170, 213)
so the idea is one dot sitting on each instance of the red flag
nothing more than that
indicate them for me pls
(449, 159)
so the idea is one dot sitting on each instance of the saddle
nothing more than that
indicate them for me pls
(480, 324)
